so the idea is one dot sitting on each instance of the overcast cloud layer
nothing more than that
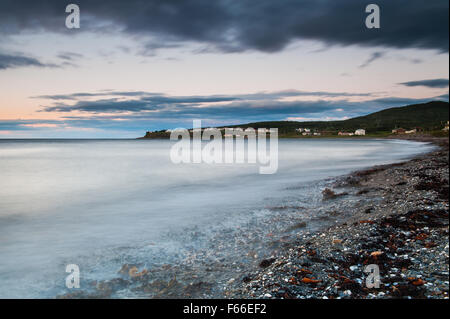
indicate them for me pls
(235, 26)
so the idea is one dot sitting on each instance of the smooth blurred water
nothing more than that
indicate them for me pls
(98, 203)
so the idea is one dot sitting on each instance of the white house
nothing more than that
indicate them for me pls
(360, 132)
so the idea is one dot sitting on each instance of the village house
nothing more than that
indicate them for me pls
(413, 131)
(360, 132)
(445, 127)
(346, 133)
(304, 131)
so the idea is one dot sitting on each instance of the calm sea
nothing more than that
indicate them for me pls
(102, 203)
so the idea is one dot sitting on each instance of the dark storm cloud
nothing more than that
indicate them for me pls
(205, 98)
(256, 106)
(102, 106)
(253, 110)
(148, 101)
(236, 26)
(9, 61)
(433, 83)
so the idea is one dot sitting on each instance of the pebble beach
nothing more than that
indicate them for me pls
(402, 227)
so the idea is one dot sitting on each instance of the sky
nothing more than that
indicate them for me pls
(136, 66)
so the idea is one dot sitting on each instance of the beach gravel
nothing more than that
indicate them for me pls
(400, 225)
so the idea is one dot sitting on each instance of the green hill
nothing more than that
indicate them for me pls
(428, 116)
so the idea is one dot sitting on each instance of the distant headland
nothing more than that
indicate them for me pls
(431, 118)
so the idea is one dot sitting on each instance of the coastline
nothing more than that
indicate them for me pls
(327, 262)
(402, 226)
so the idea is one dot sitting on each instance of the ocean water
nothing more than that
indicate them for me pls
(102, 203)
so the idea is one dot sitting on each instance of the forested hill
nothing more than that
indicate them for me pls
(428, 116)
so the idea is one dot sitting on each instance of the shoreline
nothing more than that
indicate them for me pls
(402, 226)
(299, 267)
